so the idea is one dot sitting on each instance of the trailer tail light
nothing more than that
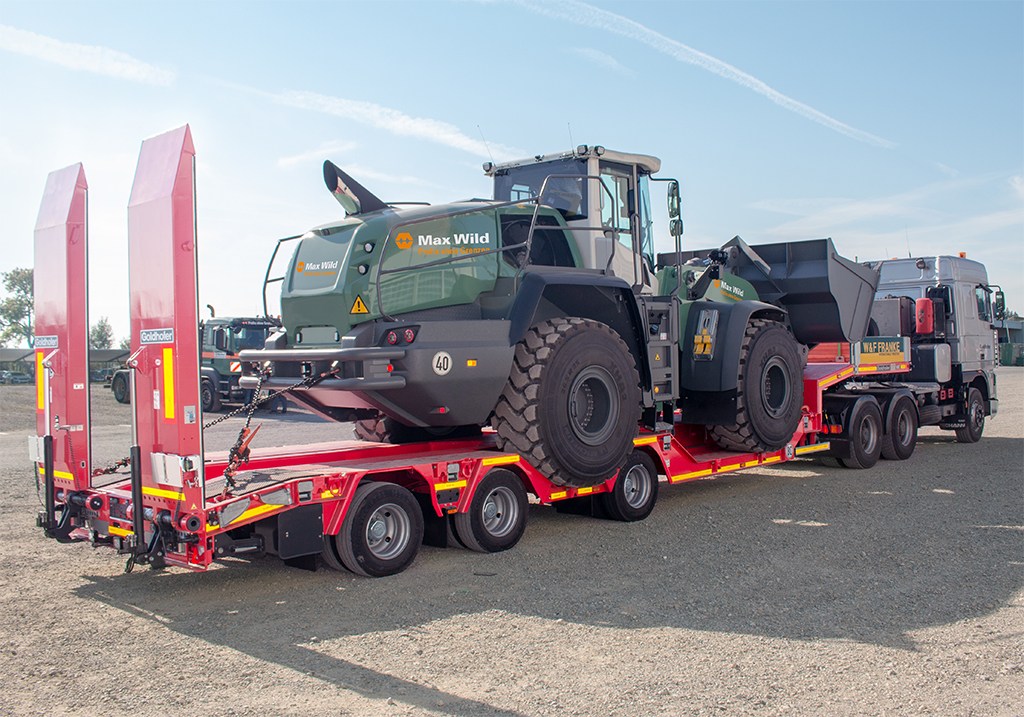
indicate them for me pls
(409, 335)
(391, 338)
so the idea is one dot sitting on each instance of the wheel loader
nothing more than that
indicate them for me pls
(545, 314)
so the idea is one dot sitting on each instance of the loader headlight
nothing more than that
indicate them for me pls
(704, 335)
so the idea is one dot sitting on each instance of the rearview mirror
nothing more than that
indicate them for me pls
(1000, 305)
(675, 227)
(220, 339)
(673, 200)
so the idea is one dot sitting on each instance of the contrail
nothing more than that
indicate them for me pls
(583, 14)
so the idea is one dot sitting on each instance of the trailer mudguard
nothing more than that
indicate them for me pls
(548, 293)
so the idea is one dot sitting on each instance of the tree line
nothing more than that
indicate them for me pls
(17, 315)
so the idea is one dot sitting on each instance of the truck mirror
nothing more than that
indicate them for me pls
(220, 339)
(1000, 305)
(675, 227)
(673, 200)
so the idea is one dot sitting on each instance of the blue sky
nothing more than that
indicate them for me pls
(889, 126)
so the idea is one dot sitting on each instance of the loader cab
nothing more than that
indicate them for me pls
(604, 199)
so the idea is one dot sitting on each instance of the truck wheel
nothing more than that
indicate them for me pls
(635, 491)
(119, 385)
(770, 390)
(865, 432)
(384, 429)
(382, 530)
(496, 518)
(208, 396)
(572, 402)
(975, 419)
(900, 437)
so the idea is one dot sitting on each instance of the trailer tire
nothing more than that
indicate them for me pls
(769, 390)
(572, 402)
(865, 432)
(119, 385)
(209, 398)
(382, 530)
(329, 554)
(635, 491)
(384, 429)
(900, 437)
(974, 420)
(496, 518)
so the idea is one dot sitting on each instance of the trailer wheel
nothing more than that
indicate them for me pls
(975, 419)
(382, 530)
(900, 437)
(384, 429)
(635, 491)
(572, 402)
(119, 385)
(865, 431)
(209, 398)
(496, 518)
(769, 390)
(329, 554)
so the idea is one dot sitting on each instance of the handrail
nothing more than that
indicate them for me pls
(266, 277)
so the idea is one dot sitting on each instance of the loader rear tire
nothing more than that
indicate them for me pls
(572, 402)
(384, 429)
(769, 390)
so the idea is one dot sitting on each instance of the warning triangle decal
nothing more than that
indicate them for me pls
(358, 307)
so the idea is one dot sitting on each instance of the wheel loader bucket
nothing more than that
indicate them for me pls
(828, 297)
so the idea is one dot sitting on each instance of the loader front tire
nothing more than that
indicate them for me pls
(769, 390)
(572, 402)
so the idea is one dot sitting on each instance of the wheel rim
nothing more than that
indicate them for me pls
(636, 487)
(977, 416)
(868, 435)
(388, 531)
(775, 387)
(499, 513)
(904, 430)
(593, 409)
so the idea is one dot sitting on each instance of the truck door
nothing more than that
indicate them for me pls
(977, 352)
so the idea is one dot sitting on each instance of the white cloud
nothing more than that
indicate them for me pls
(601, 59)
(1017, 183)
(324, 151)
(394, 121)
(85, 58)
(359, 173)
(589, 16)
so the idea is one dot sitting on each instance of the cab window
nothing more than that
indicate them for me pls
(984, 306)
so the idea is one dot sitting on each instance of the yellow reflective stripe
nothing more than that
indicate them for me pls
(450, 485)
(121, 532)
(169, 383)
(813, 448)
(694, 474)
(40, 398)
(63, 475)
(585, 491)
(500, 460)
(559, 494)
(253, 512)
(845, 372)
(162, 493)
(645, 440)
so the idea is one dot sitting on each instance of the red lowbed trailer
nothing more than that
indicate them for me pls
(362, 506)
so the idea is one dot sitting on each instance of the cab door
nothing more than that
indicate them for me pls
(626, 220)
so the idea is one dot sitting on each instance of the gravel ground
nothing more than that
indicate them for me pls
(798, 590)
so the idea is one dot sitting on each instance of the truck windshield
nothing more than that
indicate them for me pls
(563, 193)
